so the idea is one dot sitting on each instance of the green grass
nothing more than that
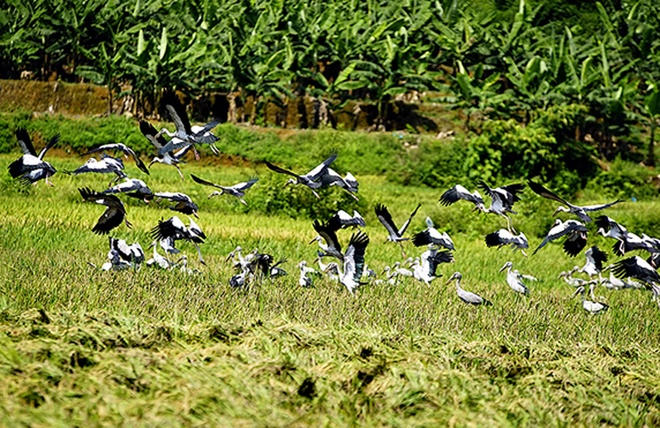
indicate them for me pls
(84, 347)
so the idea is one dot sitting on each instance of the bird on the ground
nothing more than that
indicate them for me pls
(353, 262)
(515, 279)
(237, 190)
(592, 307)
(575, 232)
(310, 179)
(396, 271)
(31, 167)
(394, 234)
(132, 187)
(184, 204)
(580, 212)
(132, 253)
(432, 236)
(113, 215)
(305, 279)
(119, 147)
(158, 260)
(467, 296)
(174, 229)
(424, 267)
(183, 266)
(503, 237)
(330, 269)
(638, 268)
(173, 157)
(593, 266)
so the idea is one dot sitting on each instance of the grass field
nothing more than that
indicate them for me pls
(83, 347)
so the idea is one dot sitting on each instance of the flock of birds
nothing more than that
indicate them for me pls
(348, 266)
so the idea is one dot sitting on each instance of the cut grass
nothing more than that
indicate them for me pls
(153, 347)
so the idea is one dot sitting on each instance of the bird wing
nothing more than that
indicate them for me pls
(354, 257)
(434, 258)
(601, 206)
(204, 182)
(176, 197)
(201, 138)
(542, 191)
(245, 185)
(167, 230)
(114, 213)
(407, 223)
(598, 256)
(576, 241)
(150, 132)
(25, 142)
(457, 193)
(174, 144)
(328, 233)
(513, 190)
(385, 218)
(422, 238)
(281, 170)
(48, 146)
(636, 267)
(321, 168)
(499, 237)
(178, 115)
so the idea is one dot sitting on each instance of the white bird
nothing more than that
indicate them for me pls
(332, 178)
(330, 269)
(132, 187)
(640, 269)
(353, 262)
(503, 237)
(311, 179)
(172, 158)
(344, 219)
(127, 151)
(31, 167)
(107, 165)
(575, 231)
(122, 256)
(237, 190)
(515, 279)
(424, 268)
(174, 229)
(467, 296)
(580, 212)
(432, 236)
(305, 280)
(158, 260)
(185, 134)
(588, 305)
(327, 232)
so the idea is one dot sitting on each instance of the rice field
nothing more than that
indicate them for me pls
(83, 347)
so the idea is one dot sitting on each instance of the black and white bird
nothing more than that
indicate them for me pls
(424, 267)
(183, 203)
(594, 262)
(132, 187)
(503, 237)
(580, 212)
(185, 134)
(515, 279)
(432, 236)
(305, 279)
(119, 147)
(459, 192)
(173, 229)
(31, 167)
(467, 296)
(593, 307)
(394, 234)
(158, 260)
(311, 179)
(113, 215)
(632, 242)
(575, 232)
(344, 219)
(107, 165)
(333, 178)
(122, 255)
(173, 157)
(638, 268)
(327, 232)
(353, 262)
(237, 190)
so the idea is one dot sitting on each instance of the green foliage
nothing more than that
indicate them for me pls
(625, 180)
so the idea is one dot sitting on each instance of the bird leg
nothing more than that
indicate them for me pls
(195, 152)
(199, 253)
(180, 173)
(243, 202)
(403, 253)
(592, 286)
(316, 194)
(48, 182)
(214, 149)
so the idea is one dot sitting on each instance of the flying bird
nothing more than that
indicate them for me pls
(503, 237)
(327, 232)
(311, 179)
(119, 147)
(344, 219)
(237, 190)
(173, 229)
(580, 212)
(132, 187)
(353, 262)
(183, 203)
(575, 232)
(31, 167)
(432, 236)
(184, 134)
(424, 267)
(638, 268)
(113, 215)
(394, 234)
(107, 165)
(173, 157)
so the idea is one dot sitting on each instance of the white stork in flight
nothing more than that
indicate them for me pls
(31, 167)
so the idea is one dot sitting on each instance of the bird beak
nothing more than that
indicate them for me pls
(195, 214)
(313, 240)
(502, 268)
(152, 162)
(449, 280)
(555, 213)
(578, 291)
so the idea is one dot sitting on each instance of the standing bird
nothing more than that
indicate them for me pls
(237, 190)
(515, 279)
(503, 237)
(311, 179)
(576, 236)
(127, 151)
(168, 158)
(467, 296)
(640, 269)
(394, 234)
(113, 215)
(184, 204)
(31, 167)
(305, 280)
(353, 262)
(432, 236)
(580, 212)
(588, 305)
(132, 187)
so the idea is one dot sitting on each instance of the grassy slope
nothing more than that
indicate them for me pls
(155, 347)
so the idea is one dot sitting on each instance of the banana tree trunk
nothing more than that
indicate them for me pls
(650, 161)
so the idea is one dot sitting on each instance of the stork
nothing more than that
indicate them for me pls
(305, 280)
(332, 178)
(394, 234)
(172, 158)
(311, 179)
(424, 268)
(353, 262)
(327, 232)
(503, 237)
(344, 219)
(122, 256)
(158, 260)
(331, 269)
(588, 305)
(132, 187)
(580, 212)
(575, 232)
(113, 215)
(31, 167)
(107, 165)
(184, 204)
(467, 296)
(119, 147)
(237, 190)
(432, 236)
(174, 229)
(515, 279)
(640, 269)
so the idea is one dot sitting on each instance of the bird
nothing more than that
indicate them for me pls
(237, 190)
(127, 151)
(432, 236)
(305, 280)
(503, 237)
(327, 232)
(330, 269)
(344, 219)
(594, 264)
(515, 279)
(575, 231)
(590, 306)
(394, 234)
(31, 167)
(467, 296)
(459, 192)
(172, 158)
(333, 178)
(132, 253)
(580, 212)
(134, 188)
(424, 267)
(174, 229)
(107, 165)
(310, 179)
(113, 215)
(184, 204)
(632, 242)
(353, 262)
(638, 268)
(158, 260)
